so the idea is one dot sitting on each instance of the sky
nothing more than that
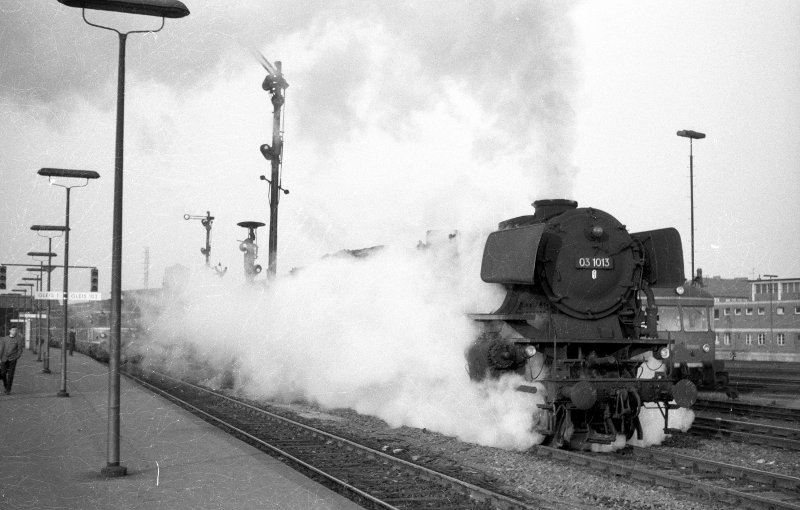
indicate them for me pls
(402, 117)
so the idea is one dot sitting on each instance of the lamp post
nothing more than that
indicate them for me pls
(18, 292)
(39, 229)
(49, 255)
(52, 173)
(37, 282)
(770, 276)
(28, 291)
(162, 9)
(691, 135)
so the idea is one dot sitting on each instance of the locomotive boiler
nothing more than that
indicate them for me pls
(579, 320)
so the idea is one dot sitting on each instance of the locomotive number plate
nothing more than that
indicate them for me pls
(594, 263)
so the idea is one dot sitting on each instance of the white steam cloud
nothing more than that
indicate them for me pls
(384, 335)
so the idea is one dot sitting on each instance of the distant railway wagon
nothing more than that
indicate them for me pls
(686, 321)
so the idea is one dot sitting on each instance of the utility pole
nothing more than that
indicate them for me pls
(771, 328)
(691, 135)
(146, 267)
(276, 85)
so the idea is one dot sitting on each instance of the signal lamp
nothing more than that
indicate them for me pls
(530, 351)
(93, 280)
(680, 290)
(664, 353)
(706, 348)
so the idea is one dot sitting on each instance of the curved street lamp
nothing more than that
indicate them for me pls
(52, 173)
(60, 229)
(37, 281)
(691, 135)
(35, 255)
(162, 9)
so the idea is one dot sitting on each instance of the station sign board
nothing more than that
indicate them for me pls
(73, 296)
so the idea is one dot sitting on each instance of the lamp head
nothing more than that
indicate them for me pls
(158, 8)
(694, 135)
(63, 172)
(49, 228)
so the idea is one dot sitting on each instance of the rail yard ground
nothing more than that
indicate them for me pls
(175, 460)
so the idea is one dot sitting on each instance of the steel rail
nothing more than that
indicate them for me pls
(476, 493)
(702, 490)
(344, 485)
(747, 432)
(748, 409)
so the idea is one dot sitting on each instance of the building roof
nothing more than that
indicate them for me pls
(727, 287)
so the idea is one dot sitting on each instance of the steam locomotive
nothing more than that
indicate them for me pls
(580, 320)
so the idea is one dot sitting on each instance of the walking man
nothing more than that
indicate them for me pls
(11, 347)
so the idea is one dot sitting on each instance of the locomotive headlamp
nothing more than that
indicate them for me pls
(680, 290)
(664, 352)
(530, 351)
(597, 231)
(706, 348)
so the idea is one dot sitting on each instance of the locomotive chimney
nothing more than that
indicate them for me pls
(545, 209)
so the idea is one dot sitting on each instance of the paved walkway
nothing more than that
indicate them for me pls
(53, 448)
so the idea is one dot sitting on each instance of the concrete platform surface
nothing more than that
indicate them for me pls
(53, 448)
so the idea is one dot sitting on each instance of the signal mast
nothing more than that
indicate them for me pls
(276, 85)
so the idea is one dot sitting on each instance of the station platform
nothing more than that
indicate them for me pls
(52, 450)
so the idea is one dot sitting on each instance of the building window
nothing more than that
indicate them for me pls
(791, 287)
(727, 339)
(781, 339)
(748, 339)
(779, 311)
(760, 310)
(716, 312)
(748, 311)
(797, 310)
(716, 338)
(761, 338)
(726, 311)
(737, 311)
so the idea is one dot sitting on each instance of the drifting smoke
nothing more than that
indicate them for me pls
(384, 335)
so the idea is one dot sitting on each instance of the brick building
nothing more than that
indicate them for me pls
(756, 319)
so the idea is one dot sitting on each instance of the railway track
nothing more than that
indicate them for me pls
(713, 421)
(706, 480)
(372, 478)
(379, 479)
(764, 376)
(749, 432)
(747, 409)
